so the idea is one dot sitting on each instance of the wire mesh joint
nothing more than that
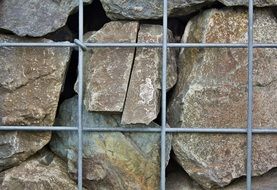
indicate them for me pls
(80, 44)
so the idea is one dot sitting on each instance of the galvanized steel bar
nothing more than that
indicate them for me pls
(163, 104)
(250, 96)
(140, 130)
(138, 45)
(80, 98)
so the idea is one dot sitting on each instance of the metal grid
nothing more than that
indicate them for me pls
(78, 43)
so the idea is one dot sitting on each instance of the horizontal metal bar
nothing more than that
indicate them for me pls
(146, 130)
(127, 45)
(37, 128)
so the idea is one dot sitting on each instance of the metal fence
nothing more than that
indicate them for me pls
(78, 43)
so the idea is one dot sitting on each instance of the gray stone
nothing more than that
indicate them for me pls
(35, 17)
(44, 171)
(212, 93)
(15, 147)
(30, 82)
(143, 97)
(142, 9)
(107, 70)
(111, 160)
(257, 3)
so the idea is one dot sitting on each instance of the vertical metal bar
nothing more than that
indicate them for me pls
(163, 114)
(80, 99)
(250, 96)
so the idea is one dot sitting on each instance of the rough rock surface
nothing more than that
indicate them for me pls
(111, 160)
(179, 180)
(44, 171)
(30, 82)
(141, 9)
(15, 147)
(267, 181)
(258, 3)
(35, 17)
(107, 70)
(211, 93)
(143, 97)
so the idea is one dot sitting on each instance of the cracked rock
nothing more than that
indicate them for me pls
(212, 93)
(35, 17)
(111, 160)
(44, 171)
(144, 93)
(107, 70)
(30, 82)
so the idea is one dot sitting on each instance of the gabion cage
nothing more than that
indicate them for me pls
(163, 130)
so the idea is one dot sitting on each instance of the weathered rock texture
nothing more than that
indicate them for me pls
(258, 3)
(212, 93)
(15, 147)
(107, 70)
(111, 160)
(30, 82)
(142, 9)
(45, 171)
(179, 180)
(35, 17)
(143, 98)
(267, 181)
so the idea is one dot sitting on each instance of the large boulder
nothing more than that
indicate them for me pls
(144, 93)
(212, 93)
(30, 82)
(15, 147)
(142, 9)
(35, 17)
(111, 160)
(44, 171)
(107, 70)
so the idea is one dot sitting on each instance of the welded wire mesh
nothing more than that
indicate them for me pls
(163, 130)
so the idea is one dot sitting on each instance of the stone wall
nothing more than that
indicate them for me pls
(206, 88)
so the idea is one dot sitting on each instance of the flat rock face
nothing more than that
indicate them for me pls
(15, 147)
(45, 171)
(142, 9)
(30, 82)
(107, 70)
(143, 98)
(212, 93)
(258, 3)
(35, 17)
(111, 160)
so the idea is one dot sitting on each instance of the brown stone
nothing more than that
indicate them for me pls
(143, 97)
(212, 93)
(35, 17)
(44, 171)
(30, 82)
(15, 147)
(107, 70)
